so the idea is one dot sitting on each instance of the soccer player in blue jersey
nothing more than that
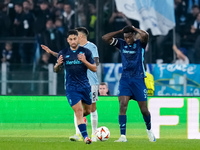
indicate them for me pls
(93, 80)
(76, 60)
(132, 85)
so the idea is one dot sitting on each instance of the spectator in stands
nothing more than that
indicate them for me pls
(82, 10)
(43, 72)
(18, 20)
(181, 54)
(58, 13)
(42, 15)
(189, 37)
(191, 17)
(5, 22)
(28, 19)
(92, 22)
(68, 17)
(195, 29)
(7, 53)
(190, 3)
(60, 5)
(164, 52)
(59, 26)
(7, 57)
(53, 38)
(118, 20)
(103, 89)
(58, 8)
(27, 51)
(31, 5)
(44, 61)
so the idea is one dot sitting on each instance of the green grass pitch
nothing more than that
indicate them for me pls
(46, 122)
(56, 137)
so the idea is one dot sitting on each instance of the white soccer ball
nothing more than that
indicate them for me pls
(102, 133)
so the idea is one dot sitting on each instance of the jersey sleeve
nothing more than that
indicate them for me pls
(143, 45)
(89, 57)
(95, 51)
(60, 53)
(117, 42)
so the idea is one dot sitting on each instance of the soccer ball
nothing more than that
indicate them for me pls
(102, 133)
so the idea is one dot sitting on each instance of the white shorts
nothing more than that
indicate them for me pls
(94, 91)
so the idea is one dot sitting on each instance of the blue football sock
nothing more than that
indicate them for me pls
(147, 120)
(83, 130)
(122, 124)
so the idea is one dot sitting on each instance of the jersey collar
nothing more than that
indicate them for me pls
(75, 50)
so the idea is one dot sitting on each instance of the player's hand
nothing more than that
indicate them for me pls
(121, 14)
(133, 27)
(81, 57)
(46, 48)
(60, 60)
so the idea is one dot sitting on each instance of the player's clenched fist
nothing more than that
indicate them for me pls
(60, 60)
(81, 57)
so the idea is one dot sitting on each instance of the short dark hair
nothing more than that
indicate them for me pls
(72, 32)
(19, 4)
(83, 30)
(104, 83)
(128, 29)
(195, 6)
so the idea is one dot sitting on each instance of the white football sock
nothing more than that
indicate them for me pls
(76, 127)
(94, 121)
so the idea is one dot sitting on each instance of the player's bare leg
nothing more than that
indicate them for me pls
(94, 121)
(123, 104)
(78, 110)
(78, 136)
(147, 118)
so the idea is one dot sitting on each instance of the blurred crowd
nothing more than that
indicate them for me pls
(185, 38)
(46, 21)
(49, 20)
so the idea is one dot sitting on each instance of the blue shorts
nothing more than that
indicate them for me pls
(133, 87)
(74, 96)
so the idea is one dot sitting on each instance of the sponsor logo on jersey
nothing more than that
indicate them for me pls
(73, 62)
(128, 52)
(67, 56)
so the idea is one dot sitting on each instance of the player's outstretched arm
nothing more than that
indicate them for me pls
(108, 38)
(49, 51)
(90, 66)
(143, 35)
(58, 64)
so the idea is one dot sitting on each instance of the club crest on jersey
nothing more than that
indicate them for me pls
(134, 46)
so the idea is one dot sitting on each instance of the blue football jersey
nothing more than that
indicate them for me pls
(132, 58)
(75, 70)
